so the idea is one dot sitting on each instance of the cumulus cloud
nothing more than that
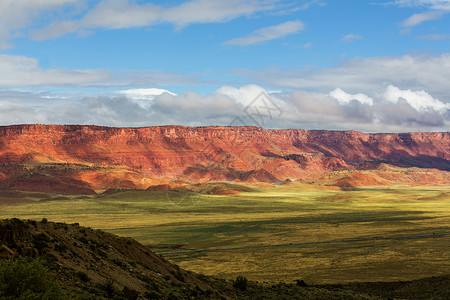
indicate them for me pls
(419, 100)
(268, 33)
(344, 97)
(393, 110)
(417, 19)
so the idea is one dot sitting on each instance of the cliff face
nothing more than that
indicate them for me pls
(97, 157)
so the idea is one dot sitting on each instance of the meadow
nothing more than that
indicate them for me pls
(269, 215)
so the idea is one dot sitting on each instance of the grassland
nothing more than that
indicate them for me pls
(268, 214)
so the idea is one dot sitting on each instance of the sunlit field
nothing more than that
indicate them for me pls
(271, 215)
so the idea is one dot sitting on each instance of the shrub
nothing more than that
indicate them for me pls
(83, 276)
(61, 247)
(16, 221)
(152, 295)
(130, 294)
(108, 287)
(240, 283)
(44, 221)
(41, 241)
(301, 283)
(119, 263)
(84, 240)
(25, 278)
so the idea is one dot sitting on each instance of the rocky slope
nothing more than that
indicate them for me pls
(84, 159)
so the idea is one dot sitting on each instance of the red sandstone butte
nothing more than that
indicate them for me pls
(64, 158)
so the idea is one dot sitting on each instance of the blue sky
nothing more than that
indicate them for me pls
(372, 66)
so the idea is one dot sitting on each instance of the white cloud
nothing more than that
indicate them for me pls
(268, 33)
(417, 19)
(352, 37)
(345, 98)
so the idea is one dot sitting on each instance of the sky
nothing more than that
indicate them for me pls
(371, 66)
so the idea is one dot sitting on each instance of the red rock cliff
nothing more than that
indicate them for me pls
(203, 153)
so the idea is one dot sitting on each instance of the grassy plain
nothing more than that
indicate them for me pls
(269, 214)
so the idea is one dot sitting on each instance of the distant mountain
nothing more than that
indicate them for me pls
(68, 159)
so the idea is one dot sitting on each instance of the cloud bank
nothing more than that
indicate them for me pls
(394, 110)
(376, 94)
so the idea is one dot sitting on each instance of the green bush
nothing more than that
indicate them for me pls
(23, 278)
